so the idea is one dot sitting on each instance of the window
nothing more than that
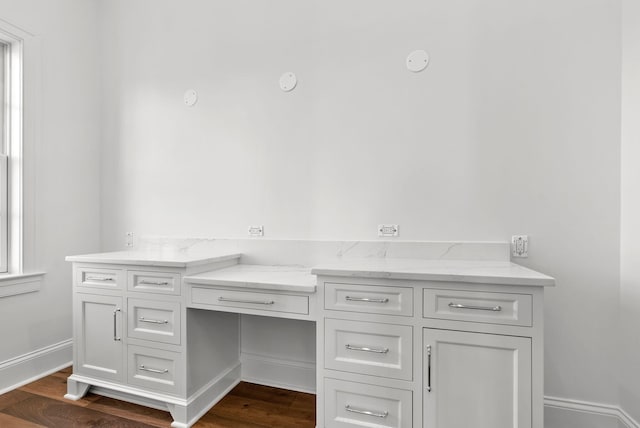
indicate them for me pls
(4, 138)
(19, 128)
(12, 42)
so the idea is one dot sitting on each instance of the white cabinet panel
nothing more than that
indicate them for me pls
(369, 348)
(372, 299)
(350, 404)
(154, 282)
(99, 329)
(476, 380)
(158, 321)
(494, 308)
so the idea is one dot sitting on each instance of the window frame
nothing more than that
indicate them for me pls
(11, 163)
(21, 275)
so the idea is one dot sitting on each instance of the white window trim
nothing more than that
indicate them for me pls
(24, 61)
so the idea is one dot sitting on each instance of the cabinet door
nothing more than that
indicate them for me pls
(98, 336)
(476, 380)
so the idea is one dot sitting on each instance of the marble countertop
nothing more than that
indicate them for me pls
(303, 279)
(280, 278)
(153, 258)
(481, 272)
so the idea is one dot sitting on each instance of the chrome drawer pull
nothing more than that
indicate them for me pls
(152, 321)
(478, 308)
(254, 302)
(348, 408)
(149, 369)
(115, 328)
(98, 278)
(366, 299)
(365, 349)
(429, 368)
(144, 281)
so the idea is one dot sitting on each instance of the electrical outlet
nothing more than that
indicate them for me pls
(520, 246)
(256, 230)
(388, 230)
(130, 238)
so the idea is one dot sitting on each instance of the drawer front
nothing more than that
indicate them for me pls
(349, 404)
(250, 300)
(369, 348)
(493, 308)
(155, 369)
(154, 282)
(99, 278)
(371, 299)
(153, 320)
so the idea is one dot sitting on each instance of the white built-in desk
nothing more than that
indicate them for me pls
(399, 343)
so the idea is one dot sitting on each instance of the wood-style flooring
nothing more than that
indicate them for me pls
(41, 404)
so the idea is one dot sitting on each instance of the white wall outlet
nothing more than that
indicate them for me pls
(388, 230)
(130, 239)
(520, 246)
(256, 230)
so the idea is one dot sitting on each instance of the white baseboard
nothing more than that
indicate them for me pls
(604, 410)
(32, 366)
(280, 373)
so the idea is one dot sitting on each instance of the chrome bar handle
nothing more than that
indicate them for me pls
(348, 408)
(98, 278)
(152, 321)
(254, 302)
(149, 369)
(115, 328)
(429, 368)
(366, 299)
(477, 308)
(365, 349)
(144, 281)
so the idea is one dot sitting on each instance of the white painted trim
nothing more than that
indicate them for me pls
(609, 410)
(32, 366)
(12, 285)
(279, 373)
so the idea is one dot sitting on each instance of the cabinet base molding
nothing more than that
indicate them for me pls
(598, 409)
(185, 413)
(34, 365)
(279, 373)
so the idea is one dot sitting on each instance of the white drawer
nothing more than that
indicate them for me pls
(350, 404)
(484, 307)
(154, 282)
(371, 299)
(250, 300)
(154, 320)
(99, 278)
(154, 369)
(369, 348)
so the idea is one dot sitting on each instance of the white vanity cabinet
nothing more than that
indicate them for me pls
(398, 349)
(131, 340)
(98, 332)
(476, 380)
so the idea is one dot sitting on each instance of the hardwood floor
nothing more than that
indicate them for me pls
(41, 404)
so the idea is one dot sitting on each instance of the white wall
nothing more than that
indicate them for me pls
(513, 128)
(65, 164)
(630, 230)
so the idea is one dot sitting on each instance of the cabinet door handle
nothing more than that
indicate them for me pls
(429, 368)
(477, 308)
(254, 302)
(115, 328)
(366, 349)
(144, 281)
(152, 321)
(98, 278)
(348, 408)
(149, 369)
(366, 299)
